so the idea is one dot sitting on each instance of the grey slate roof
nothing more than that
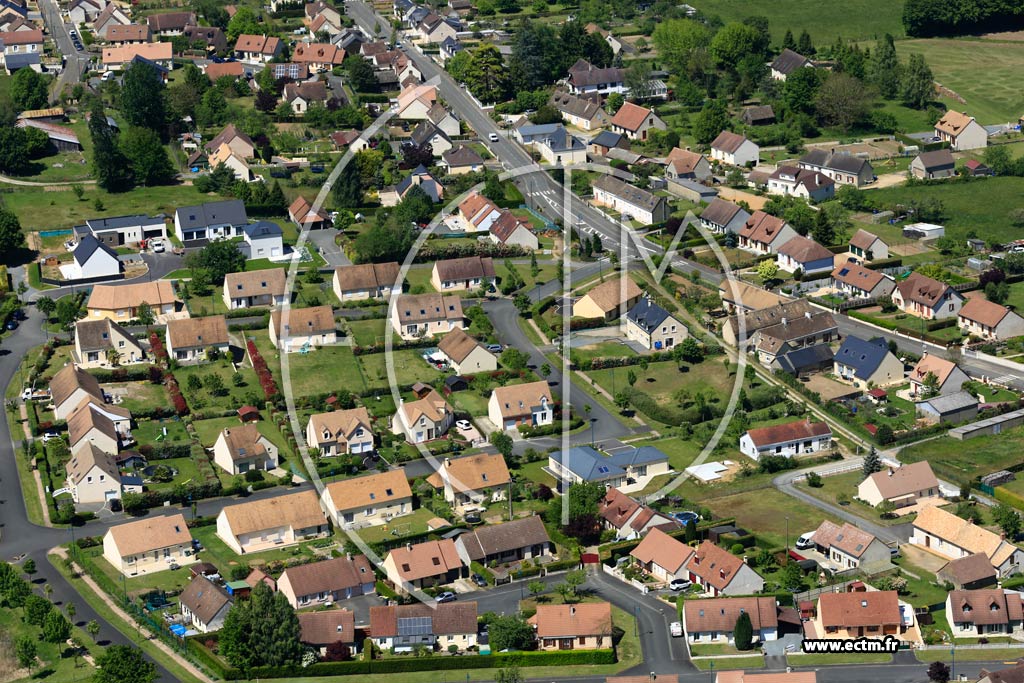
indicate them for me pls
(634, 195)
(788, 62)
(88, 246)
(720, 212)
(937, 160)
(117, 222)
(647, 315)
(261, 229)
(227, 212)
(462, 156)
(948, 403)
(863, 356)
(607, 138)
(806, 358)
(425, 132)
(839, 161)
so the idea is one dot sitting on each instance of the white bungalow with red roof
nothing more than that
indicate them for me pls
(791, 438)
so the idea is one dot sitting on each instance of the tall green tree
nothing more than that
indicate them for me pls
(11, 236)
(842, 101)
(347, 189)
(110, 166)
(884, 68)
(360, 74)
(743, 632)
(536, 56)
(638, 80)
(142, 98)
(804, 45)
(710, 121)
(510, 632)
(244, 21)
(800, 89)
(788, 42)
(734, 42)
(212, 110)
(56, 627)
(872, 463)
(217, 259)
(123, 664)
(681, 44)
(261, 631)
(149, 160)
(917, 84)
(29, 90)
(25, 645)
(486, 75)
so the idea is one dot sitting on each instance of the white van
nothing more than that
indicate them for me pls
(806, 541)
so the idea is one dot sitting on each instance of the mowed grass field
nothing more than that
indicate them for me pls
(986, 73)
(853, 20)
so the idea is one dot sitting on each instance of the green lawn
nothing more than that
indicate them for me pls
(224, 558)
(534, 471)
(681, 453)
(857, 20)
(187, 473)
(844, 487)
(764, 512)
(545, 273)
(471, 402)
(960, 461)
(1009, 655)
(168, 580)
(409, 368)
(730, 663)
(232, 397)
(601, 350)
(416, 523)
(209, 430)
(148, 431)
(831, 659)
(920, 592)
(325, 370)
(138, 396)
(368, 332)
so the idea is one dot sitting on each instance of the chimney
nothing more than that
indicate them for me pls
(890, 472)
(807, 314)
(408, 546)
(447, 462)
(783, 320)
(348, 556)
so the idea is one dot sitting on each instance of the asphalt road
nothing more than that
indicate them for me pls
(75, 61)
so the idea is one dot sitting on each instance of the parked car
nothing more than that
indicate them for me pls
(494, 348)
(680, 584)
(447, 596)
(50, 436)
(12, 325)
(479, 580)
(19, 314)
(806, 541)
(463, 424)
(676, 629)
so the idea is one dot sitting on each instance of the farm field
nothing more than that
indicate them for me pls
(767, 512)
(958, 461)
(857, 20)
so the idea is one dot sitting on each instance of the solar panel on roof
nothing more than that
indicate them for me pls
(415, 626)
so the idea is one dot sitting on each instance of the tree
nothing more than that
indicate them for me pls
(29, 90)
(93, 629)
(872, 463)
(123, 664)
(938, 672)
(148, 157)
(388, 242)
(29, 566)
(44, 303)
(575, 579)
(110, 166)
(509, 674)
(25, 645)
(18, 146)
(638, 80)
(486, 76)
(788, 42)
(691, 530)
(842, 101)
(804, 45)
(347, 190)
(743, 632)
(261, 631)
(142, 97)
(510, 632)
(712, 120)
(734, 42)
(36, 609)
(244, 21)
(822, 231)
(217, 259)
(791, 576)
(1007, 519)
(212, 110)
(800, 89)
(514, 359)
(884, 68)
(884, 434)
(997, 292)
(360, 74)
(536, 587)
(767, 270)
(682, 44)
(689, 351)
(917, 83)
(11, 236)
(144, 314)
(56, 627)
(614, 102)
(503, 442)
(71, 610)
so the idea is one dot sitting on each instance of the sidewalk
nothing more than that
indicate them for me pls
(35, 472)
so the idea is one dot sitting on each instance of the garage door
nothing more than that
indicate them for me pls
(108, 495)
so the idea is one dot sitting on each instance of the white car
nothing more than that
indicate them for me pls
(50, 436)
(679, 584)
(493, 137)
(463, 424)
(676, 629)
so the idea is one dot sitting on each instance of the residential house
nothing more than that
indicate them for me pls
(515, 541)
(860, 614)
(581, 626)
(148, 545)
(759, 115)
(968, 573)
(902, 486)
(466, 355)
(254, 49)
(867, 364)
(719, 572)
(811, 330)
(662, 556)
(436, 30)
(988, 320)
(303, 329)
(444, 120)
(632, 202)
(235, 163)
(721, 216)
(327, 581)
(605, 141)
(948, 377)
(211, 221)
(368, 500)
(848, 547)
(243, 449)
(462, 159)
(742, 328)
(585, 78)
(764, 233)
(635, 122)
(84, 11)
(239, 143)
(426, 134)
(954, 408)
(961, 131)
(608, 300)
(251, 288)
(521, 405)
(584, 113)
(92, 260)
(418, 315)
(682, 164)
(868, 247)
(415, 101)
(302, 214)
(127, 34)
(272, 522)
(111, 16)
(189, 338)
(806, 255)
(478, 213)
(340, 432)
(813, 186)
(923, 297)
(472, 480)
(92, 475)
(210, 37)
(320, 8)
(787, 62)
(628, 518)
(842, 167)
(365, 281)
(735, 150)
(511, 230)
(460, 274)
(121, 231)
(628, 466)
(945, 534)
(451, 46)
(421, 178)
(424, 565)
(17, 43)
(104, 343)
(933, 165)
(985, 612)
(652, 326)
(555, 144)
(159, 55)
(321, 630)
(858, 282)
(714, 621)
(69, 387)
(401, 628)
(290, 71)
(204, 604)
(427, 418)
(788, 439)
(300, 96)
(738, 296)
(122, 303)
(318, 57)
(109, 416)
(170, 23)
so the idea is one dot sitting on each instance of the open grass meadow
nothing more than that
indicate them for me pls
(855, 20)
(957, 461)
(768, 512)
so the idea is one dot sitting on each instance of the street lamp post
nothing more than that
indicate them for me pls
(952, 670)
(787, 536)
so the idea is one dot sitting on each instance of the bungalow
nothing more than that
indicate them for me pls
(608, 300)
(737, 295)
(582, 626)
(806, 255)
(254, 49)
(521, 405)
(719, 572)
(798, 182)
(272, 522)
(300, 96)
(635, 122)
(426, 419)
(127, 34)
(933, 165)
(69, 387)
(511, 230)
(188, 339)
(721, 216)
(415, 101)
(365, 281)
(92, 476)
(735, 150)
(303, 329)
(424, 565)
(902, 486)
(302, 214)
(466, 355)
(426, 134)
(461, 274)
(851, 548)
(764, 233)
(262, 239)
(632, 202)
(327, 581)
(934, 376)
(472, 480)
(170, 23)
(555, 144)
(243, 448)
(123, 302)
(945, 534)
(787, 439)
(605, 141)
(923, 297)
(414, 316)
(954, 408)
(478, 213)
(585, 78)
(149, 545)
(461, 159)
(629, 519)
(321, 630)
(652, 326)
(584, 113)
(756, 318)
(251, 288)
(235, 163)
(368, 500)
(401, 628)
(988, 320)
(961, 131)
(787, 62)
(121, 231)
(211, 38)
(88, 427)
(859, 282)
(714, 621)
(985, 612)
(968, 573)
(842, 167)
(628, 466)
(340, 432)
(119, 58)
(682, 164)
(868, 247)
(421, 178)
(103, 343)
(662, 556)
(211, 221)
(861, 614)
(515, 541)
(92, 260)
(867, 364)
(318, 57)
(320, 8)
(204, 604)
(445, 121)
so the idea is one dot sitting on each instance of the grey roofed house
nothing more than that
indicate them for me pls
(226, 212)
(626, 155)
(20, 60)
(947, 404)
(647, 315)
(607, 138)
(468, 268)
(758, 115)
(386, 77)
(720, 212)
(427, 183)
(497, 539)
(789, 61)
(808, 358)
(862, 356)
(583, 73)
(839, 161)
(796, 328)
(634, 195)
(118, 222)
(973, 571)
(460, 156)
(94, 335)
(575, 106)
(937, 160)
(425, 132)
(728, 142)
(262, 229)
(638, 456)
(204, 599)
(89, 245)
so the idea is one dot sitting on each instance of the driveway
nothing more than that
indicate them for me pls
(323, 241)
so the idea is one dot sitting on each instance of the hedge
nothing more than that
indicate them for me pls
(136, 373)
